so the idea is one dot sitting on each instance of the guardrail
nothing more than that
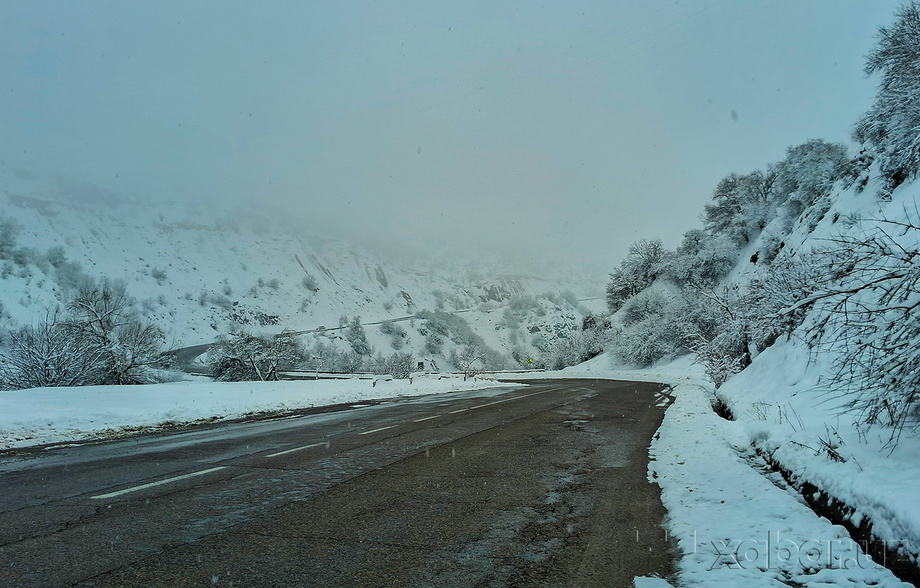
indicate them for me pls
(313, 375)
(366, 376)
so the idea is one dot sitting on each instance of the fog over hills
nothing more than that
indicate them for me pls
(200, 275)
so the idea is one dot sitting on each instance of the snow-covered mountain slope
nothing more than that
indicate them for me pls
(199, 275)
(796, 412)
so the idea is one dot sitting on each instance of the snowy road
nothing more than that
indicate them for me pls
(543, 484)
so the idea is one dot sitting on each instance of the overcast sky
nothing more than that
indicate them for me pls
(544, 131)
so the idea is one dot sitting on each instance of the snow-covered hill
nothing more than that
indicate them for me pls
(199, 275)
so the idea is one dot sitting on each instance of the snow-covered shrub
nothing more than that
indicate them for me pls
(519, 307)
(434, 343)
(9, 229)
(701, 260)
(643, 306)
(475, 356)
(101, 340)
(808, 172)
(56, 256)
(244, 356)
(46, 354)
(396, 333)
(468, 359)
(641, 344)
(398, 365)
(577, 347)
(741, 207)
(69, 276)
(770, 246)
(509, 321)
(777, 301)
(349, 363)
(714, 324)
(103, 319)
(309, 282)
(447, 325)
(158, 275)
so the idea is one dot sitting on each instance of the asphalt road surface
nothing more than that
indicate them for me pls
(540, 485)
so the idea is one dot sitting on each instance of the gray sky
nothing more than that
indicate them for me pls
(554, 131)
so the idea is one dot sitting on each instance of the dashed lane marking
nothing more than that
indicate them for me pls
(152, 484)
(376, 430)
(326, 443)
(507, 400)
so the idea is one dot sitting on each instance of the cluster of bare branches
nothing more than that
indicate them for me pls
(100, 340)
(871, 324)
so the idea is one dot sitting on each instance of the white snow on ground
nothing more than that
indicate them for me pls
(784, 411)
(735, 523)
(52, 415)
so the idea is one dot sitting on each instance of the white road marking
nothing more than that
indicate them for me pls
(487, 404)
(506, 400)
(297, 449)
(426, 418)
(376, 430)
(152, 484)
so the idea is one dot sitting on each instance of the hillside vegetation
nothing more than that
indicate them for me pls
(245, 278)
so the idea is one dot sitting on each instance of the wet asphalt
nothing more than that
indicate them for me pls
(543, 485)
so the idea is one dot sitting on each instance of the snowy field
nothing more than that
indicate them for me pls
(735, 522)
(53, 415)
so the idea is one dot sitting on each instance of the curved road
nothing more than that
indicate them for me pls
(538, 485)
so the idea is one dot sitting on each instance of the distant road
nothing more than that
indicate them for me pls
(538, 485)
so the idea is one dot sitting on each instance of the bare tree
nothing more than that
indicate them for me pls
(46, 354)
(871, 323)
(100, 341)
(467, 359)
(103, 320)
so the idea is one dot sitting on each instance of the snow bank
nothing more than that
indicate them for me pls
(735, 522)
(51, 415)
(786, 413)
(682, 369)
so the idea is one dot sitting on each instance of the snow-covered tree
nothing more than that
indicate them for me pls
(104, 320)
(244, 356)
(892, 123)
(808, 173)
(398, 365)
(640, 268)
(468, 359)
(100, 340)
(741, 206)
(357, 338)
(701, 260)
(46, 354)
